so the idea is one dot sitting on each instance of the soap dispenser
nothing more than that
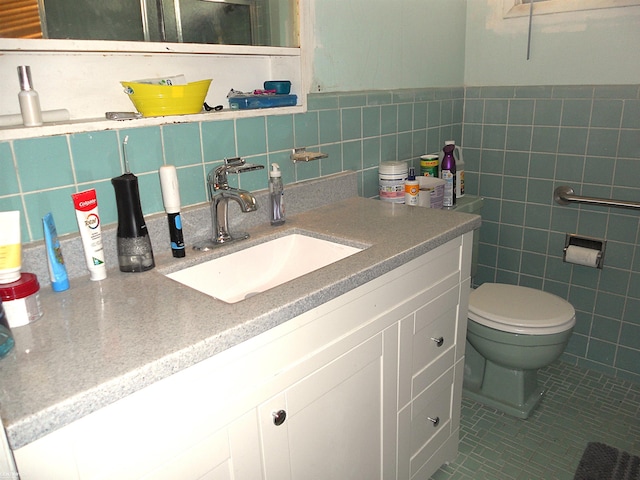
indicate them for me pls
(276, 195)
(411, 188)
(134, 245)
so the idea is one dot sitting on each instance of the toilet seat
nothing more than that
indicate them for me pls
(516, 309)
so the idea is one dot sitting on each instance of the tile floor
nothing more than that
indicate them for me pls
(579, 406)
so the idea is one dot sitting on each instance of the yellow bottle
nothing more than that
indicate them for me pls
(10, 248)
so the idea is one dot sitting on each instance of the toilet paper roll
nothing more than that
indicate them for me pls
(581, 256)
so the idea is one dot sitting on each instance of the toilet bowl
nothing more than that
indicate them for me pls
(512, 332)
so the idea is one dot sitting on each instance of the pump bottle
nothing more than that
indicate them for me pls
(411, 188)
(276, 195)
(29, 99)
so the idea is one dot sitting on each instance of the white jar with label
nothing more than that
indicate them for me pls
(391, 176)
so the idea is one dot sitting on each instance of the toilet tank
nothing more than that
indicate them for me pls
(471, 204)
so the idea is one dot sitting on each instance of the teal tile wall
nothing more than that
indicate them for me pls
(357, 131)
(519, 144)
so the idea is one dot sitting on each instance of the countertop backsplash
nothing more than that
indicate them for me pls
(196, 225)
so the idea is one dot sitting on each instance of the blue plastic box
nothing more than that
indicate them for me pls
(244, 102)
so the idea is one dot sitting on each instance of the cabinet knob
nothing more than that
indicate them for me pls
(435, 421)
(279, 417)
(439, 341)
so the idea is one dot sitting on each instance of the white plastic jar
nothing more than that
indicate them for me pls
(391, 176)
(21, 300)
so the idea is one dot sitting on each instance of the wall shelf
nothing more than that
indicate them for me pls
(100, 124)
(87, 83)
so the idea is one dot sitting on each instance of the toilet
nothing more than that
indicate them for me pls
(512, 331)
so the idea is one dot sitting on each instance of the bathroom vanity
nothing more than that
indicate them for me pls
(352, 371)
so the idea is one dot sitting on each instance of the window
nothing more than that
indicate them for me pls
(19, 19)
(83, 76)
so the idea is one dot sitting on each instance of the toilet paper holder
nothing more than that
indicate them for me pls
(590, 243)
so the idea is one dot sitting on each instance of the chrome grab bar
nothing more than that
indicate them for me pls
(564, 195)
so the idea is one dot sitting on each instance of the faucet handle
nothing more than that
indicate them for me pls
(233, 162)
(217, 177)
(239, 165)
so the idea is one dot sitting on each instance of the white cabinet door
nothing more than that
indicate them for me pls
(329, 425)
(210, 460)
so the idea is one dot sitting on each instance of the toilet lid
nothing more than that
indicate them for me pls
(516, 309)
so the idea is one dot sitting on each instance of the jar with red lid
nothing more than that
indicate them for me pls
(21, 300)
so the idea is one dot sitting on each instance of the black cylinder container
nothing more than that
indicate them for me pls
(134, 245)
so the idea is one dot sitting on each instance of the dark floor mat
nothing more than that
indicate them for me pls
(602, 462)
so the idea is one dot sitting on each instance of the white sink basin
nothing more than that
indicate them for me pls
(242, 274)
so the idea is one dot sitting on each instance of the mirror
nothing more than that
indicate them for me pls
(223, 22)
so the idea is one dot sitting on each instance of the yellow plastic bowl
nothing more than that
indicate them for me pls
(160, 100)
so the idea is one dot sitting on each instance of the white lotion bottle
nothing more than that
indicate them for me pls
(29, 99)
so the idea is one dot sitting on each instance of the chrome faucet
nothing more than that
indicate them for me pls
(219, 194)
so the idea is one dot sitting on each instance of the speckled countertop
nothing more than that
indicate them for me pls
(101, 341)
